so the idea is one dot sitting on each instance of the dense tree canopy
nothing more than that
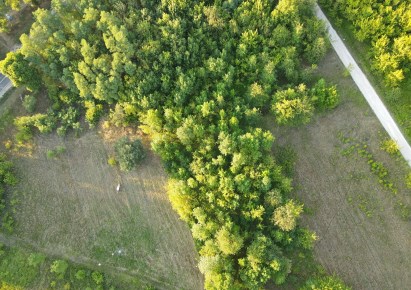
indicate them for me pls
(384, 24)
(197, 75)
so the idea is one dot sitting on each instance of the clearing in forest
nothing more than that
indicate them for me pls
(70, 208)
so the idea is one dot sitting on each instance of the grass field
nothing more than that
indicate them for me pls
(70, 208)
(364, 229)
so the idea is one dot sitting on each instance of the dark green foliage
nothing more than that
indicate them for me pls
(286, 158)
(129, 153)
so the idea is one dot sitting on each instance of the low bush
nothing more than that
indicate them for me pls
(29, 103)
(408, 180)
(390, 146)
(325, 283)
(59, 267)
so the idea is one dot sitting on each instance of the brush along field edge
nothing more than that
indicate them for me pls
(366, 88)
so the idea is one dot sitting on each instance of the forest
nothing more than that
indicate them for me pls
(196, 76)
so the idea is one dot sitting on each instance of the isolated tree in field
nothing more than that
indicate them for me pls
(129, 153)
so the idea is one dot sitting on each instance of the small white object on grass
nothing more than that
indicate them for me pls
(118, 187)
(99, 264)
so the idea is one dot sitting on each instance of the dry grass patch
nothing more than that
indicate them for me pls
(362, 236)
(70, 205)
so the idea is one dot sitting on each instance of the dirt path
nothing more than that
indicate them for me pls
(366, 88)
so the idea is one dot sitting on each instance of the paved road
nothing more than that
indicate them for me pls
(5, 85)
(366, 88)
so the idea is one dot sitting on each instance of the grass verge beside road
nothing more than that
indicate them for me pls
(398, 101)
(363, 226)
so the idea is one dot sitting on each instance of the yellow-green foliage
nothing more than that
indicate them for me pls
(390, 146)
(286, 216)
(408, 180)
(386, 26)
(325, 283)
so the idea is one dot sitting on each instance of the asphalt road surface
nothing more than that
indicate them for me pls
(5, 85)
(366, 88)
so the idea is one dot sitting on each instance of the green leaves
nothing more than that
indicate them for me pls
(385, 25)
(20, 71)
(197, 78)
(229, 240)
(285, 217)
(129, 153)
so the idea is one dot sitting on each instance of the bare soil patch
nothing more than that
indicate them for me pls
(69, 204)
(362, 237)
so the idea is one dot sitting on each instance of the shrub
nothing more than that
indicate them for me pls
(36, 259)
(61, 131)
(112, 161)
(23, 135)
(325, 283)
(97, 277)
(390, 146)
(59, 267)
(129, 153)
(408, 180)
(8, 144)
(324, 97)
(29, 103)
(51, 154)
(60, 149)
(80, 275)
